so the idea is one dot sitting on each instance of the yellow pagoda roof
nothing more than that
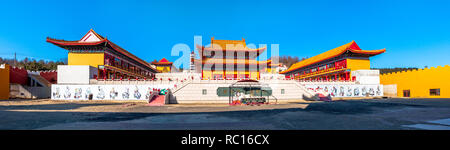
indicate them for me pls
(224, 43)
(351, 47)
(233, 45)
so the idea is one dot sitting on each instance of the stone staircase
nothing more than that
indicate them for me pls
(193, 92)
(18, 91)
(287, 90)
(206, 91)
(157, 100)
(38, 87)
(39, 79)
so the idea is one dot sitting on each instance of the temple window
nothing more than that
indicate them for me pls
(435, 92)
(406, 93)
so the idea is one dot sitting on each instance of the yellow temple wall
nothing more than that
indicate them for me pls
(243, 72)
(162, 68)
(206, 75)
(254, 75)
(420, 81)
(4, 82)
(268, 70)
(92, 59)
(358, 64)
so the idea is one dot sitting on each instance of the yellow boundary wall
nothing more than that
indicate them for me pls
(420, 81)
(4, 82)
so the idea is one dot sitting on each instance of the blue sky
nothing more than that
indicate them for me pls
(414, 33)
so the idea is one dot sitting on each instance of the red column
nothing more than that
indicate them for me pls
(346, 76)
(345, 63)
(224, 71)
(259, 74)
(104, 74)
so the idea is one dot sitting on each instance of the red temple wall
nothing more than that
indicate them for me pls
(18, 75)
(50, 76)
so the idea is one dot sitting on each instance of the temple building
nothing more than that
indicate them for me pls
(231, 59)
(163, 65)
(336, 64)
(112, 61)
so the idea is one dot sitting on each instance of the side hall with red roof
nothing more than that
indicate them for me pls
(163, 65)
(335, 64)
(111, 60)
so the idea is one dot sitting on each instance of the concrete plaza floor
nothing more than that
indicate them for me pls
(363, 114)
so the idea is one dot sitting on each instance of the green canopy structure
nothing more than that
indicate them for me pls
(256, 91)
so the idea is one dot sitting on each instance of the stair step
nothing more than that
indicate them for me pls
(158, 100)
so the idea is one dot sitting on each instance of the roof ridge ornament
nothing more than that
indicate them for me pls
(91, 36)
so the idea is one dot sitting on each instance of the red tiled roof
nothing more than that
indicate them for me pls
(351, 47)
(103, 40)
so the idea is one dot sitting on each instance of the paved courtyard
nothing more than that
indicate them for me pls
(406, 114)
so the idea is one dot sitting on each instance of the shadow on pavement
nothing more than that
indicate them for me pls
(62, 106)
(353, 106)
(36, 119)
